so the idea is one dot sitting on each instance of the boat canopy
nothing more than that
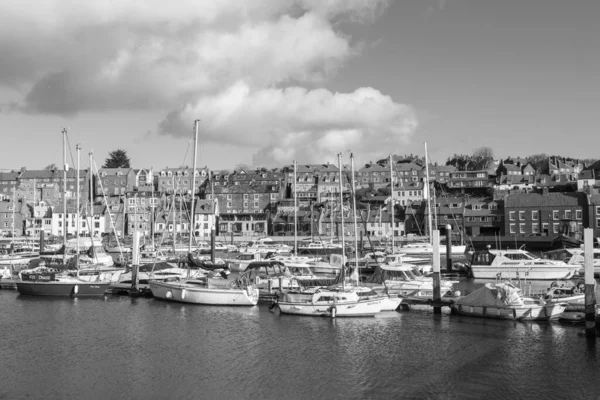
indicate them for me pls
(493, 295)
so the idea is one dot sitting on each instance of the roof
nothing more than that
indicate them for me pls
(544, 200)
(9, 176)
(49, 173)
(203, 207)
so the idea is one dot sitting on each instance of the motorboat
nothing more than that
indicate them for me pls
(405, 280)
(270, 277)
(517, 263)
(504, 301)
(208, 290)
(241, 262)
(425, 248)
(575, 256)
(329, 302)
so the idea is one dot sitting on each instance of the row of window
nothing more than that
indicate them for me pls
(535, 228)
(535, 215)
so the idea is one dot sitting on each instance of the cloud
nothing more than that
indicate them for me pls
(296, 122)
(253, 71)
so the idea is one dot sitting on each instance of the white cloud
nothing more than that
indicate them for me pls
(306, 124)
(240, 66)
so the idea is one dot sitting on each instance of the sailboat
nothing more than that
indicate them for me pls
(213, 289)
(426, 248)
(332, 301)
(44, 281)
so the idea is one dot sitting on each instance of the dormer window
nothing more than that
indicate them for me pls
(186, 173)
(217, 177)
(169, 173)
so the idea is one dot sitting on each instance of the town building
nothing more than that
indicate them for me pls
(179, 180)
(114, 182)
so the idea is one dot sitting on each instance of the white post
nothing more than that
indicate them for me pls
(437, 295)
(590, 297)
(65, 167)
(77, 221)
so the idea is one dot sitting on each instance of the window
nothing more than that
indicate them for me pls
(597, 210)
(555, 216)
(511, 215)
(512, 228)
(535, 215)
(493, 206)
(245, 204)
(545, 226)
(228, 197)
(577, 214)
(256, 197)
(256, 204)
(245, 196)
(535, 228)
(521, 215)
(273, 196)
(229, 204)
(568, 214)
(555, 228)
(521, 228)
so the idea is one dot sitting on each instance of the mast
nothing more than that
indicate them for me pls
(12, 238)
(91, 227)
(295, 215)
(428, 195)
(78, 148)
(342, 219)
(192, 211)
(152, 207)
(173, 209)
(355, 223)
(392, 199)
(65, 167)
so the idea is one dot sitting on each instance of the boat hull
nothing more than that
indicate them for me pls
(522, 313)
(209, 296)
(528, 272)
(363, 308)
(62, 289)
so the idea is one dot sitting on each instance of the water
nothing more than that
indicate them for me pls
(118, 347)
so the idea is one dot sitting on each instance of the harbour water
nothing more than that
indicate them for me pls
(120, 347)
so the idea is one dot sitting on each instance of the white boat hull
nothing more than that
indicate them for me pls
(362, 308)
(183, 293)
(533, 272)
(428, 250)
(531, 312)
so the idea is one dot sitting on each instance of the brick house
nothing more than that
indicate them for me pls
(114, 181)
(8, 184)
(544, 213)
(47, 184)
(12, 213)
(484, 217)
(179, 180)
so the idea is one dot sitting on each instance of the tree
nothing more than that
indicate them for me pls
(117, 159)
(482, 157)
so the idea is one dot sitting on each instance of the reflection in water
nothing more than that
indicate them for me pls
(118, 347)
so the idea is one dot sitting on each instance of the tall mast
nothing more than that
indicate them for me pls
(192, 211)
(152, 206)
(295, 214)
(173, 209)
(428, 195)
(355, 223)
(91, 227)
(342, 219)
(12, 239)
(65, 167)
(392, 208)
(77, 223)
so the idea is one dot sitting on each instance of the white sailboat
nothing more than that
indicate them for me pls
(210, 289)
(332, 301)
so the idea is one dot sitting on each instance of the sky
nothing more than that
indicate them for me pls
(273, 81)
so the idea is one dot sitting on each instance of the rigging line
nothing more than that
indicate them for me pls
(107, 209)
(69, 147)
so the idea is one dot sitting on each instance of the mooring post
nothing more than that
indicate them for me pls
(135, 263)
(212, 243)
(42, 243)
(437, 295)
(448, 248)
(590, 297)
